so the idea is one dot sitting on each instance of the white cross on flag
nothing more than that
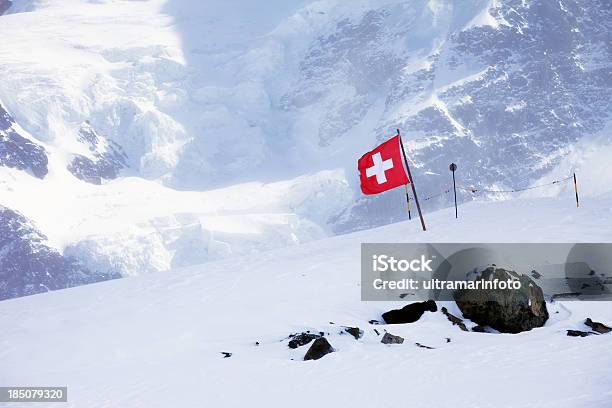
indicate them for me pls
(381, 169)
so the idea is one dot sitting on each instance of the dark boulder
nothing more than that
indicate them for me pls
(319, 348)
(578, 333)
(597, 326)
(505, 310)
(410, 313)
(389, 338)
(354, 331)
(301, 339)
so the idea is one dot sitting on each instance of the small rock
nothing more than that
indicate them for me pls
(578, 333)
(448, 340)
(374, 322)
(423, 346)
(535, 274)
(454, 319)
(257, 343)
(409, 313)
(354, 331)
(388, 338)
(377, 333)
(478, 329)
(226, 354)
(319, 348)
(301, 339)
(597, 326)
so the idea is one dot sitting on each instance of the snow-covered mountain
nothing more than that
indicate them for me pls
(141, 136)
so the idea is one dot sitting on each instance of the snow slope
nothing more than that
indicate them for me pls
(155, 340)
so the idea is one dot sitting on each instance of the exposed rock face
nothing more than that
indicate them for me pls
(18, 152)
(4, 5)
(107, 158)
(410, 313)
(319, 348)
(506, 310)
(28, 266)
(389, 338)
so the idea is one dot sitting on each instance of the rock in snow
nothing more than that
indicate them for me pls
(301, 339)
(410, 313)
(578, 333)
(597, 326)
(389, 338)
(506, 310)
(319, 348)
(454, 319)
(354, 331)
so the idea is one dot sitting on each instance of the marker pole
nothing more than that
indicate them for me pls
(576, 191)
(408, 201)
(452, 168)
(411, 181)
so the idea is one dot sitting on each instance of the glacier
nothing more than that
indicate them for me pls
(175, 104)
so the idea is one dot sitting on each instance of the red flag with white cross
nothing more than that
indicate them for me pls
(381, 169)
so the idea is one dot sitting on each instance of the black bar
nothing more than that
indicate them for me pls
(408, 202)
(576, 190)
(416, 198)
(455, 191)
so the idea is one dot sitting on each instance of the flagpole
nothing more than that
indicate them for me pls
(408, 201)
(416, 199)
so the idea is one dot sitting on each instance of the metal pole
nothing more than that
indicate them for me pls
(416, 198)
(452, 168)
(408, 201)
(576, 191)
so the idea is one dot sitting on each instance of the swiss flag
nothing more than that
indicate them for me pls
(381, 169)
